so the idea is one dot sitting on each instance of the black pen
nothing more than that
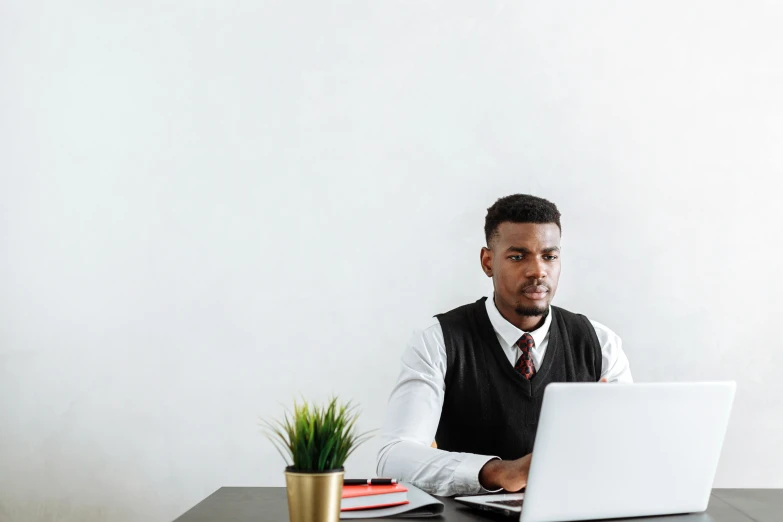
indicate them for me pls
(369, 482)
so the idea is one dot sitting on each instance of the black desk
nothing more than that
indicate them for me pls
(271, 505)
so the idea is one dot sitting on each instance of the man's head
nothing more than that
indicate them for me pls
(522, 255)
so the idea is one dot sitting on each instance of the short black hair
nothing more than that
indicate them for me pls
(520, 208)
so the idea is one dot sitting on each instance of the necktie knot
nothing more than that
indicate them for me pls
(526, 342)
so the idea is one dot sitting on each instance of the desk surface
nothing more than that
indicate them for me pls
(271, 505)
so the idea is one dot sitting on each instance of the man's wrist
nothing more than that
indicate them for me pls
(490, 476)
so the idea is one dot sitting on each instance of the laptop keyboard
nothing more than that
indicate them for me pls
(516, 502)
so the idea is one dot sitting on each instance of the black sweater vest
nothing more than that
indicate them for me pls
(489, 408)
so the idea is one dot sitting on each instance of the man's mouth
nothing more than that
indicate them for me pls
(535, 293)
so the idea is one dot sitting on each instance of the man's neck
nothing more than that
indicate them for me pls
(526, 323)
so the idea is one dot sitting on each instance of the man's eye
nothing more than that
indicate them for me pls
(516, 258)
(551, 258)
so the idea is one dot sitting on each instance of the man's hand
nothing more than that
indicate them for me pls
(510, 475)
(603, 379)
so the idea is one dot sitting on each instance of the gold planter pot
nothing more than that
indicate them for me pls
(314, 496)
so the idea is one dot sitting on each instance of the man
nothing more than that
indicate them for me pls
(473, 380)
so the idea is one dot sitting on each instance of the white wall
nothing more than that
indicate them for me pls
(208, 208)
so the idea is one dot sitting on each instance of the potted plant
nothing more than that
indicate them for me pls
(315, 442)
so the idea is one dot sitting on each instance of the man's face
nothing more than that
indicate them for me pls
(524, 263)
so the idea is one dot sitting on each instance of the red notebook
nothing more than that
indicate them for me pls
(369, 497)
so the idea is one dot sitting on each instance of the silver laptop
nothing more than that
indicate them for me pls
(621, 450)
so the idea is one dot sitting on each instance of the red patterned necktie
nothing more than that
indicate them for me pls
(524, 364)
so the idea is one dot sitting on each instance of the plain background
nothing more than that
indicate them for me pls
(208, 209)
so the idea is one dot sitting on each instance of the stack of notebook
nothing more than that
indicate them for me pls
(371, 497)
(403, 500)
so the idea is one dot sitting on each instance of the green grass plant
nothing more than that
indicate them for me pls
(316, 438)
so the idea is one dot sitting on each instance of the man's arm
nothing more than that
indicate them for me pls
(412, 418)
(614, 363)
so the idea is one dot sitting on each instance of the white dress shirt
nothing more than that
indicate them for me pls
(415, 404)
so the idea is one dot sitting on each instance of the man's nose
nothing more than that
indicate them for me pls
(537, 270)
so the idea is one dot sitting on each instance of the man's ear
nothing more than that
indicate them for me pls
(486, 261)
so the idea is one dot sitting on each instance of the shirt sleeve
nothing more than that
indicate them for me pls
(614, 363)
(412, 418)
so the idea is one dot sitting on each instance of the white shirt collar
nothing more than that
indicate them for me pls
(509, 333)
